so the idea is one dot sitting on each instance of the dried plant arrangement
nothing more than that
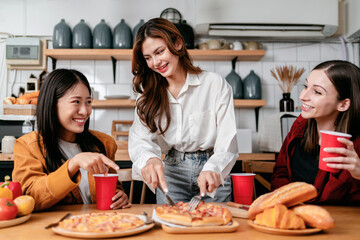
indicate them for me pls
(287, 76)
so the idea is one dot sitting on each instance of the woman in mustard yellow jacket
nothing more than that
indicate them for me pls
(55, 164)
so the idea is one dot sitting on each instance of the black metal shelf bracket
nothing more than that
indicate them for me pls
(114, 67)
(257, 118)
(54, 60)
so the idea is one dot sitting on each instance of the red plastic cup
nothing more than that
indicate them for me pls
(329, 140)
(243, 187)
(105, 190)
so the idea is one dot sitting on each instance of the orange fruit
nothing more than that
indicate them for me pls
(6, 193)
(25, 205)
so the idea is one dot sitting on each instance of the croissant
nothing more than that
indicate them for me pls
(280, 217)
(315, 216)
(290, 195)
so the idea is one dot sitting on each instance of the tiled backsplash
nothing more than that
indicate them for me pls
(300, 54)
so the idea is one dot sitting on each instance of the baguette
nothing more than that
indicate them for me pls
(315, 216)
(289, 195)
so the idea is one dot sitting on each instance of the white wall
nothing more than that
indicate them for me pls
(38, 17)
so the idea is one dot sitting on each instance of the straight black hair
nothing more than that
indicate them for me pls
(56, 84)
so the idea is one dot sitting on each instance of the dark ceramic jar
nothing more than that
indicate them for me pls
(136, 29)
(62, 35)
(188, 33)
(252, 86)
(122, 36)
(235, 82)
(82, 35)
(102, 35)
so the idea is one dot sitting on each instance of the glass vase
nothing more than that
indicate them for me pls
(286, 103)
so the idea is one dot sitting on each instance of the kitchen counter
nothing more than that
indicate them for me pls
(347, 222)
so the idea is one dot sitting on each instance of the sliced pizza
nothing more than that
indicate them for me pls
(206, 214)
(102, 222)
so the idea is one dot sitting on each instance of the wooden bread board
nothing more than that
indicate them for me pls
(17, 109)
(237, 212)
(207, 229)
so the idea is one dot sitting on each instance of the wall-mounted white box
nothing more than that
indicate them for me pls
(244, 140)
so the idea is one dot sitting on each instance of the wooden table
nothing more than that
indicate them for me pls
(123, 155)
(347, 222)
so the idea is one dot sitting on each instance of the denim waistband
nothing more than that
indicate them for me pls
(174, 152)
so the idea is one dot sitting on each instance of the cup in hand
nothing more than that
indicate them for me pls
(329, 140)
(243, 187)
(105, 190)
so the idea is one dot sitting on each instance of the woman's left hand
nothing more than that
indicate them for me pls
(208, 181)
(120, 200)
(349, 161)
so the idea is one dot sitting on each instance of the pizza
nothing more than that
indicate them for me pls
(206, 214)
(102, 222)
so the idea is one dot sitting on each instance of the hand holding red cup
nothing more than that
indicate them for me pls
(329, 140)
(105, 189)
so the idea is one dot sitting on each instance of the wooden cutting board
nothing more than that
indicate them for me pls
(236, 212)
(207, 229)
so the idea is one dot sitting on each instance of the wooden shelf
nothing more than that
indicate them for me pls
(126, 54)
(249, 103)
(129, 103)
(113, 103)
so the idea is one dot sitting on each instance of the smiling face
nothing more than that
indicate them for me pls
(159, 58)
(73, 109)
(320, 99)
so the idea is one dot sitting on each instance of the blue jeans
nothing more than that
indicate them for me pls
(181, 173)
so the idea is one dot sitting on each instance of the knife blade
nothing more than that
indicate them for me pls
(57, 223)
(238, 205)
(172, 203)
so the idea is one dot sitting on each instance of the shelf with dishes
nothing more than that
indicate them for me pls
(126, 54)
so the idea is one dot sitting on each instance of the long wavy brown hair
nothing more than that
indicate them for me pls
(153, 103)
(345, 77)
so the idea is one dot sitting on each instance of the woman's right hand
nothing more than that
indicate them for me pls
(153, 173)
(94, 163)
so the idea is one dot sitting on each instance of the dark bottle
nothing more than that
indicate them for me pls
(235, 81)
(286, 103)
(187, 32)
(136, 29)
(62, 35)
(82, 35)
(102, 37)
(122, 36)
(252, 86)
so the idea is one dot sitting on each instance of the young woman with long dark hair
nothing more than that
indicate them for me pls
(330, 101)
(183, 112)
(55, 163)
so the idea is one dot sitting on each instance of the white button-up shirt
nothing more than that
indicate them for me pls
(202, 117)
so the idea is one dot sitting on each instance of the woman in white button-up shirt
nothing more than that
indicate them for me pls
(183, 112)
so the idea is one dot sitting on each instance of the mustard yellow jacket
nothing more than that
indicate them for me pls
(56, 187)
